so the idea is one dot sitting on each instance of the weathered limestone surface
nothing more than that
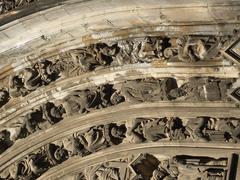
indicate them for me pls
(119, 90)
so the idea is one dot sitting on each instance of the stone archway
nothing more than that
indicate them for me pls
(119, 89)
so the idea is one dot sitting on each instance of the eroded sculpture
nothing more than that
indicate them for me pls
(4, 96)
(38, 119)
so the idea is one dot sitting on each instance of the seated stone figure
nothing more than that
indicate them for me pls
(150, 48)
(56, 154)
(105, 54)
(82, 101)
(107, 173)
(53, 114)
(95, 56)
(94, 139)
(74, 146)
(193, 48)
(31, 121)
(177, 130)
(114, 134)
(28, 168)
(195, 127)
(16, 86)
(32, 79)
(29, 79)
(144, 129)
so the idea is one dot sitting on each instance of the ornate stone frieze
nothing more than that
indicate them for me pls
(96, 138)
(142, 50)
(134, 91)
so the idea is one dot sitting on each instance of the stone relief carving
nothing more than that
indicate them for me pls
(84, 101)
(195, 48)
(148, 90)
(4, 96)
(179, 167)
(38, 119)
(159, 167)
(138, 91)
(8, 5)
(96, 138)
(41, 73)
(140, 50)
(194, 89)
(203, 89)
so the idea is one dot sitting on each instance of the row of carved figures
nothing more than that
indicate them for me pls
(149, 167)
(142, 50)
(137, 91)
(145, 90)
(96, 138)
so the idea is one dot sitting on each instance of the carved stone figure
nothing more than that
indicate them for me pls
(222, 130)
(107, 174)
(74, 147)
(149, 48)
(47, 70)
(53, 114)
(148, 129)
(31, 121)
(195, 127)
(193, 49)
(16, 86)
(201, 89)
(29, 79)
(94, 139)
(177, 130)
(105, 54)
(5, 141)
(4, 97)
(56, 154)
(147, 90)
(102, 172)
(85, 58)
(83, 101)
(95, 98)
(38, 119)
(114, 134)
(30, 167)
